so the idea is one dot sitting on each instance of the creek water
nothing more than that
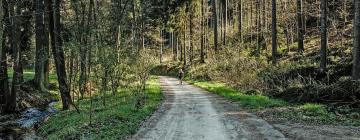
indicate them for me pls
(24, 127)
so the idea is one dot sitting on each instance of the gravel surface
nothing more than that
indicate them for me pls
(190, 113)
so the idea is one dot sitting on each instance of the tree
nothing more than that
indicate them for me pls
(300, 25)
(58, 55)
(356, 51)
(203, 24)
(323, 51)
(191, 26)
(274, 33)
(215, 21)
(184, 42)
(13, 37)
(161, 45)
(4, 85)
(240, 18)
(225, 18)
(39, 77)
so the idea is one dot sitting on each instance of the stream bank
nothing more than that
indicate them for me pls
(24, 124)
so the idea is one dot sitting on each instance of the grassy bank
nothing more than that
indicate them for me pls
(117, 120)
(249, 101)
(279, 110)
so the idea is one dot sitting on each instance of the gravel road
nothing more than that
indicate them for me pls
(190, 113)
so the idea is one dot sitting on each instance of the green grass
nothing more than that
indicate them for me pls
(248, 101)
(29, 74)
(118, 119)
(314, 109)
(302, 113)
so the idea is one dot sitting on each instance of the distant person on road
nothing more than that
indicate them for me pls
(181, 76)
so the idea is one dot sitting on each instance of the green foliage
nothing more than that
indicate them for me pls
(314, 109)
(117, 120)
(249, 101)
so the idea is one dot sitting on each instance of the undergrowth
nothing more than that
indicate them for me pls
(117, 119)
(310, 113)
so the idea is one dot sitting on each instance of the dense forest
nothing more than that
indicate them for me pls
(91, 55)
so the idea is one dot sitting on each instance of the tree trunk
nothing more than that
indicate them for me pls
(274, 33)
(257, 22)
(300, 26)
(15, 88)
(202, 55)
(46, 42)
(40, 43)
(191, 32)
(58, 54)
(172, 45)
(181, 49)
(83, 51)
(323, 51)
(4, 83)
(356, 51)
(184, 47)
(177, 48)
(240, 19)
(161, 45)
(214, 8)
(225, 19)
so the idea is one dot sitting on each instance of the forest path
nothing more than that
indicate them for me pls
(190, 113)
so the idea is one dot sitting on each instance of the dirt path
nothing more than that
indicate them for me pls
(190, 113)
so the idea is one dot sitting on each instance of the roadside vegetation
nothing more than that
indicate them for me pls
(274, 109)
(117, 119)
(249, 100)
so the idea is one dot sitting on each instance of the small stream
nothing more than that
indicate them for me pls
(29, 120)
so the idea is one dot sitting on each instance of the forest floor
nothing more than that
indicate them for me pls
(118, 118)
(190, 112)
